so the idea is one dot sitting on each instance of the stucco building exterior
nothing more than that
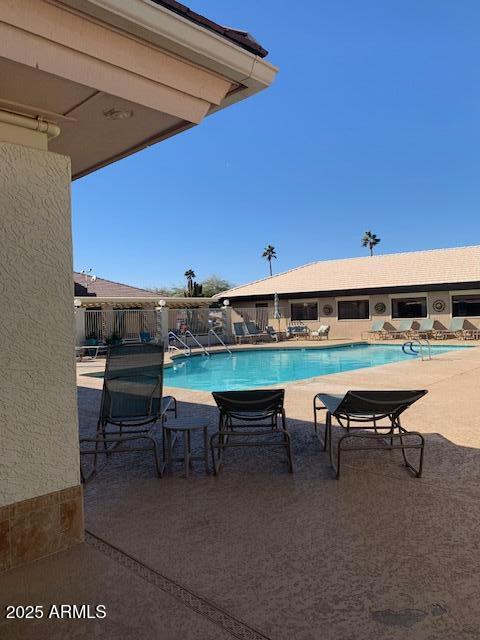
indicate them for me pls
(351, 294)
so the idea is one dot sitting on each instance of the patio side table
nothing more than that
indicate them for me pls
(185, 428)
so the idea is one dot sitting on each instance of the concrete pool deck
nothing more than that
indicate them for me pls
(259, 553)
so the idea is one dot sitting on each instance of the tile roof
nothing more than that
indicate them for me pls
(106, 288)
(239, 37)
(418, 268)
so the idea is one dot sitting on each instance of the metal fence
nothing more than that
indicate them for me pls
(261, 316)
(197, 321)
(124, 323)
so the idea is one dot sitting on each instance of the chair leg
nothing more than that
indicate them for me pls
(212, 451)
(186, 452)
(158, 464)
(288, 445)
(205, 448)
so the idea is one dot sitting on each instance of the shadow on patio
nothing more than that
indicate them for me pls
(259, 553)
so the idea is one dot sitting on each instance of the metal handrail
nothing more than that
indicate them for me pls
(212, 331)
(421, 345)
(189, 333)
(172, 334)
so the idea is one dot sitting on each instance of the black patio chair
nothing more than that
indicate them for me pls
(253, 418)
(132, 402)
(359, 411)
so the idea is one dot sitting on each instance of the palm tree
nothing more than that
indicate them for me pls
(189, 275)
(370, 240)
(268, 254)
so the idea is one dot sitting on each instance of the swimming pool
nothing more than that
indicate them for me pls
(264, 367)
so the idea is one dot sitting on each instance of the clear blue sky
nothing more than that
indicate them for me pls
(373, 123)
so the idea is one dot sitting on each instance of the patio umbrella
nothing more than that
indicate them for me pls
(276, 309)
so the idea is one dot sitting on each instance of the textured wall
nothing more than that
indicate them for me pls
(38, 416)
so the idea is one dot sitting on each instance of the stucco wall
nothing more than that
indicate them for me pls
(38, 415)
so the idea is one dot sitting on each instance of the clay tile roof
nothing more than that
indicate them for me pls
(418, 268)
(239, 37)
(106, 288)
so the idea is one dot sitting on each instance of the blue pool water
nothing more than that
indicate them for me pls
(264, 367)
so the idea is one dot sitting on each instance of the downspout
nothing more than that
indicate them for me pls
(33, 124)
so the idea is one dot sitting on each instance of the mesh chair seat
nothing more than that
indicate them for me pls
(360, 411)
(247, 414)
(132, 397)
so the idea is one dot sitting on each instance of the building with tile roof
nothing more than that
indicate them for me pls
(349, 294)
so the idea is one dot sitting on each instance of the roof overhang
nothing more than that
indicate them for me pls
(116, 75)
(170, 302)
(331, 293)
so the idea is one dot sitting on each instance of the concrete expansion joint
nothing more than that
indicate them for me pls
(228, 623)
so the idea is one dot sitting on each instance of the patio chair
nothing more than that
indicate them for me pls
(250, 419)
(272, 333)
(455, 330)
(425, 330)
(368, 409)
(297, 331)
(132, 402)
(377, 330)
(255, 332)
(404, 330)
(145, 336)
(240, 332)
(322, 332)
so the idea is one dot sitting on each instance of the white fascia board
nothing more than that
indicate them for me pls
(174, 33)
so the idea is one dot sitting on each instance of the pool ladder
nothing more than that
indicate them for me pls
(422, 343)
(187, 348)
(212, 332)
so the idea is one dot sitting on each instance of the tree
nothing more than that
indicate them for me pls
(189, 275)
(268, 254)
(214, 284)
(370, 240)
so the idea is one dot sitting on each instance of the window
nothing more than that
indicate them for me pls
(409, 308)
(353, 310)
(463, 306)
(304, 311)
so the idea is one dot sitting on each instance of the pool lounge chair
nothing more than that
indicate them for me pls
(455, 330)
(272, 333)
(321, 333)
(404, 330)
(425, 330)
(368, 409)
(240, 332)
(377, 331)
(132, 403)
(255, 332)
(253, 418)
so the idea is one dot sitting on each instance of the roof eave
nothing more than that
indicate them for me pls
(161, 27)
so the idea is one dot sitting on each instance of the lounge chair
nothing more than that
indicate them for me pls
(255, 332)
(425, 330)
(322, 332)
(250, 418)
(132, 402)
(297, 331)
(272, 333)
(377, 330)
(368, 409)
(455, 330)
(404, 330)
(240, 332)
